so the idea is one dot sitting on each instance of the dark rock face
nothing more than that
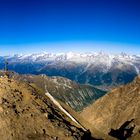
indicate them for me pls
(124, 132)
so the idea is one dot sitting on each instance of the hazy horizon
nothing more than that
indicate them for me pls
(76, 47)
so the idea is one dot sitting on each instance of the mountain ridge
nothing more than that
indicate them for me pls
(62, 89)
(118, 111)
(106, 71)
(27, 114)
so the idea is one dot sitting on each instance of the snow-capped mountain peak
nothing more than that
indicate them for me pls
(98, 58)
(90, 68)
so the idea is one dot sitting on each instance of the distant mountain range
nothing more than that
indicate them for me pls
(105, 71)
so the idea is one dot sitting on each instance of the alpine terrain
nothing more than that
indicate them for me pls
(118, 112)
(105, 71)
(75, 95)
(27, 114)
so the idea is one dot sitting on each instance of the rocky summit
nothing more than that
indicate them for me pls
(27, 114)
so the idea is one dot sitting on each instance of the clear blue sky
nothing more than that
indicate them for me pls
(69, 25)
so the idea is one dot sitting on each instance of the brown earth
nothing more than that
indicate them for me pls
(118, 112)
(26, 114)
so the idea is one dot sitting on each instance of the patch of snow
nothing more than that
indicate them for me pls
(63, 110)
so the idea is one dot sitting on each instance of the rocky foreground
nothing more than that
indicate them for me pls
(27, 114)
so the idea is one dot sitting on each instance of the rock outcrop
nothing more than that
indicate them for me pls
(27, 114)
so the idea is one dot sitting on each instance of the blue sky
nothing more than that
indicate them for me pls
(28, 26)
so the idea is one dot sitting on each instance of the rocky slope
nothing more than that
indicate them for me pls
(27, 114)
(118, 112)
(105, 71)
(64, 89)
